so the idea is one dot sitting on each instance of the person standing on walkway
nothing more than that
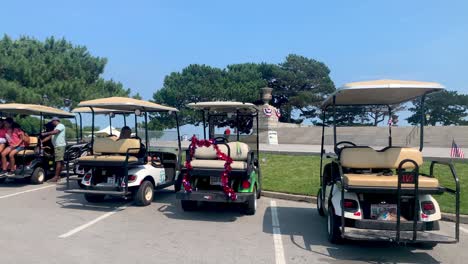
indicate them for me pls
(58, 140)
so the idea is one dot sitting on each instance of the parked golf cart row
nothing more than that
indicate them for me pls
(366, 194)
(131, 168)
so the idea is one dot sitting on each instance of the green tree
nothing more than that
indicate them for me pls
(31, 69)
(305, 82)
(443, 108)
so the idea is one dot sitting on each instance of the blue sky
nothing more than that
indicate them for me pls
(146, 40)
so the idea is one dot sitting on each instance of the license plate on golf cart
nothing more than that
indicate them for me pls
(215, 180)
(384, 212)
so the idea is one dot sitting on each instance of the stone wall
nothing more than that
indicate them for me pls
(439, 136)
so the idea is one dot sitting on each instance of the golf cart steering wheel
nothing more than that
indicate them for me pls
(338, 149)
(221, 140)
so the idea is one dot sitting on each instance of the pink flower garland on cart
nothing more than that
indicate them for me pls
(222, 156)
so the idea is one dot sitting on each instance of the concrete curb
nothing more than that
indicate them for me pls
(312, 199)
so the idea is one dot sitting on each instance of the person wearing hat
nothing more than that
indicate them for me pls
(59, 142)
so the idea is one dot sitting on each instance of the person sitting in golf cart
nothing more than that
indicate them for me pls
(125, 133)
(2, 135)
(15, 138)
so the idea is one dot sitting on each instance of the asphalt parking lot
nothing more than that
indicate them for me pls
(42, 224)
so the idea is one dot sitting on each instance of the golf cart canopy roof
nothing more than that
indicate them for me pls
(98, 110)
(33, 109)
(223, 106)
(126, 104)
(380, 92)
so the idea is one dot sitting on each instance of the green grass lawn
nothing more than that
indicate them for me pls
(301, 175)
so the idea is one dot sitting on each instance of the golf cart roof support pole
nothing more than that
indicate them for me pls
(258, 137)
(125, 119)
(146, 135)
(178, 137)
(390, 123)
(110, 123)
(92, 130)
(237, 123)
(334, 121)
(204, 124)
(136, 125)
(77, 132)
(81, 127)
(322, 151)
(423, 117)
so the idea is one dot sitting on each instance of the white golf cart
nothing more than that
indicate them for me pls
(382, 193)
(83, 147)
(128, 166)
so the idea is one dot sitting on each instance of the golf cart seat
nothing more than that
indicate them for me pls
(30, 149)
(359, 158)
(108, 152)
(205, 158)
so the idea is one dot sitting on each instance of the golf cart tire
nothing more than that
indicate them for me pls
(426, 245)
(188, 205)
(38, 176)
(94, 198)
(2, 180)
(320, 210)
(333, 228)
(140, 198)
(251, 205)
(178, 183)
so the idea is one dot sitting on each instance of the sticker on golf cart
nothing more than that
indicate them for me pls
(385, 212)
(162, 176)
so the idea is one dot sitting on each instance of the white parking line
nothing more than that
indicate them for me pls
(27, 191)
(90, 223)
(464, 230)
(279, 250)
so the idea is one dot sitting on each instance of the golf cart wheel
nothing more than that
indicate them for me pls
(178, 183)
(320, 203)
(426, 245)
(81, 185)
(38, 176)
(2, 180)
(188, 205)
(94, 198)
(144, 195)
(334, 227)
(251, 205)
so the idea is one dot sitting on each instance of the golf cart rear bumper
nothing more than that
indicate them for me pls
(213, 196)
(390, 236)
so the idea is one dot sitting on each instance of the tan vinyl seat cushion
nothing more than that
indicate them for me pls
(109, 146)
(239, 151)
(33, 141)
(107, 159)
(375, 180)
(26, 152)
(368, 158)
(217, 164)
